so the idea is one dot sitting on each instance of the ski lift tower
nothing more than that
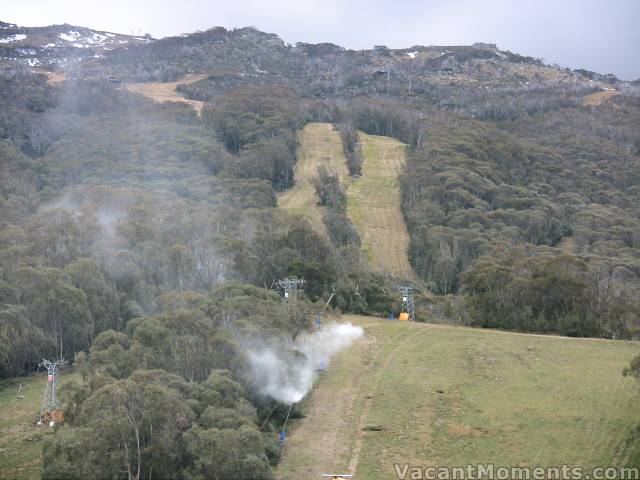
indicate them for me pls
(49, 412)
(290, 286)
(407, 301)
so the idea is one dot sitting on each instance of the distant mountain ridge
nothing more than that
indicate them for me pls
(57, 46)
(244, 52)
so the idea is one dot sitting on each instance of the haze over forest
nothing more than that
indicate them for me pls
(205, 226)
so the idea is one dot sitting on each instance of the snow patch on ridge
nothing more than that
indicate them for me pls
(13, 38)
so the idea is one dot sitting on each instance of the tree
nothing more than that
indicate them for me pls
(227, 453)
(22, 344)
(131, 429)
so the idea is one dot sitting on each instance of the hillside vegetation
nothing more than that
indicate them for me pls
(141, 241)
(433, 395)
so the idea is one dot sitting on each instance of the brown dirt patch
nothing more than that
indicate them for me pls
(166, 91)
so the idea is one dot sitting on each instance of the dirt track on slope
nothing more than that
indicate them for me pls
(598, 98)
(166, 91)
(321, 445)
(331, 442)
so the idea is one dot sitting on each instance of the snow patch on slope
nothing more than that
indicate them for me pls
(13, 38)
(96, 38)
(72, 36)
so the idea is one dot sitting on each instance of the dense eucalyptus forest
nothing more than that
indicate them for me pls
(140, 240)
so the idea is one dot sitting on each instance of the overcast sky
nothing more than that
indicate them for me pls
(598, 35)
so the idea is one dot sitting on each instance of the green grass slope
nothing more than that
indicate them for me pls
(20, 437)
(320, 145)
(373, 205)
(373, 200)
(449, 396)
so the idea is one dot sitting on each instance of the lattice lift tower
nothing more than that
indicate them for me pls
(49, 412)
(290, 286)
(407, 301)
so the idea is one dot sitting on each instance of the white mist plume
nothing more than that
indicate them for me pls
(288, 375)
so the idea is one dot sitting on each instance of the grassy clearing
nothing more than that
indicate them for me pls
(373, 201)
(598, 98)
(449, 396)
(54, 77)
(20, 437)
(374, 206)
(166, 91)
(320, 145)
